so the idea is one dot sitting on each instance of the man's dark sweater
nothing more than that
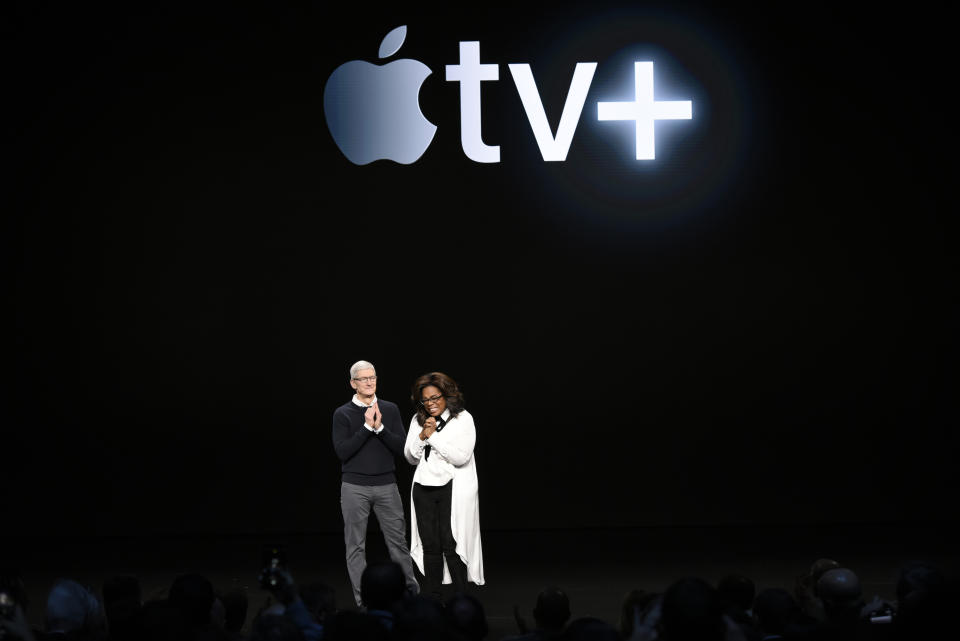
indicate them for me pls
(368, 458)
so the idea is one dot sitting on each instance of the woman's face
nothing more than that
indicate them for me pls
(433, 400)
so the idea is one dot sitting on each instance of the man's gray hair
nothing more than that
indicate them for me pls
(359, 365)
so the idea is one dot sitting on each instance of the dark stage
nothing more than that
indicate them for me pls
(682, 362)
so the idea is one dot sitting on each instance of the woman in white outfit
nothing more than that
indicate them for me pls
(444, 506)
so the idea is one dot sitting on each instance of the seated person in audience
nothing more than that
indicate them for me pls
(840, 593)
(926, 603)
(123, 607)
(633, 609)
(319, 599)
(382, 587)
(692, 610)
(773, 610)
(466, 618)
(286, 592)
(235, 604)
(193, 596)
(420, 618)
(72, 612)
(805, 590)
(550, 614)
(737, 593)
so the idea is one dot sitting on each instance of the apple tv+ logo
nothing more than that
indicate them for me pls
(373, 111)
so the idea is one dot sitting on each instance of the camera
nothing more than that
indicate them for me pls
(272, 576)
(884, 613)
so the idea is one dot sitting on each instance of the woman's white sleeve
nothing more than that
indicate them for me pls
(455, 443)
(413, 449)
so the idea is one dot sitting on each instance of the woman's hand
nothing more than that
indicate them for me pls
(429, 427)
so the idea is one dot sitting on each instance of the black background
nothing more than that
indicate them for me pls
(757, 327)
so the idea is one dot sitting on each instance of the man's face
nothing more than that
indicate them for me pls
(365, 382)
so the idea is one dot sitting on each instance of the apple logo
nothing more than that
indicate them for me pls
(373, 111)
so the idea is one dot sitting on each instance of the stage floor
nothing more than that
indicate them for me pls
(595, 567)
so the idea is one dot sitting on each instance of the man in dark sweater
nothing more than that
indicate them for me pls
(368, 435)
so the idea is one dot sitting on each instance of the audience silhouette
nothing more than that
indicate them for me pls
(828, 604)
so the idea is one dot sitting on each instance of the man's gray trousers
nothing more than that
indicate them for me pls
(355, 502)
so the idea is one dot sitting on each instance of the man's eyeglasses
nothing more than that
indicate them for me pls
(366, 379)
(432, 400)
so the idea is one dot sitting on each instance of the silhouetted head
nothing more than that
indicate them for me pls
(840, 588)
(419, 618)
(839, 591)
(382, 585)
(773, 609)
(692, 611)
(737, 590)
(71, 607)
(465, 615)
(193, 595)
(552, 610)
(818, 568)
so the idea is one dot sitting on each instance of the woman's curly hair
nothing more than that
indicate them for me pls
(448, 388)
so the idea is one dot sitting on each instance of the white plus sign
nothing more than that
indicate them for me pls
(644, 109)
